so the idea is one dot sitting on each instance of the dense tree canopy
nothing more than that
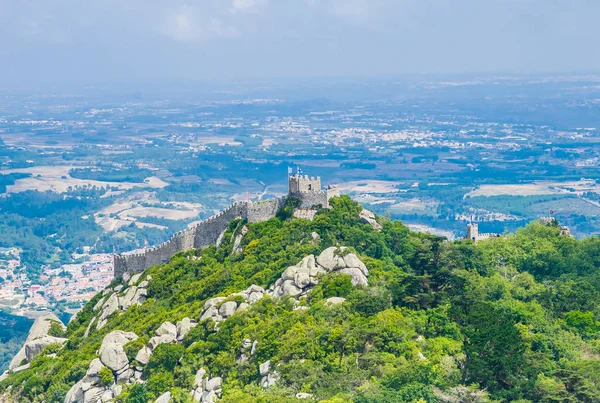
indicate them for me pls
(515, 318)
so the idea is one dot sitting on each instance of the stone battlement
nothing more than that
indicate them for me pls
(207, 232)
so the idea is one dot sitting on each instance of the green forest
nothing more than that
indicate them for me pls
(510, 319)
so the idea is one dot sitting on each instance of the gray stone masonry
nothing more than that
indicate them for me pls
(205, 233)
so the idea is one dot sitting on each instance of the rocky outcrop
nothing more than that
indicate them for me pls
(90, 389)
(166, 333)
(206, 389)
(269, 378)
(119, 299)
(220, 308)
(296, 281)
(368, 217)
(37, 340)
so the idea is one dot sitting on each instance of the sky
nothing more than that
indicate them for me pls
(46, 41)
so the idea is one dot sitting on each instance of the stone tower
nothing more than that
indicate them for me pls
(472, 231)
(304, 184)
(308, 191)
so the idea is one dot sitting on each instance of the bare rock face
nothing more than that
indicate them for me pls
(110, 306)
(37, 339)
(88, 389)
(134, 295)
(368, 217)
(34, 347)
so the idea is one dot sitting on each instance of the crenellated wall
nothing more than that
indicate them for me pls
(207, 232)
(203, 234)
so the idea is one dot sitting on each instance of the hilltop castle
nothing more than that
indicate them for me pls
(210, 231)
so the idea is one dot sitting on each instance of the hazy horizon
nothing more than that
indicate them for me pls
(62, 41)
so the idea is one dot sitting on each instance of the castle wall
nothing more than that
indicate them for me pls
(263, 211)
(207, 232)
(310, 199)
(201, 235)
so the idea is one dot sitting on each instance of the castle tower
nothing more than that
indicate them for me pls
(304, 184)
(472, 231)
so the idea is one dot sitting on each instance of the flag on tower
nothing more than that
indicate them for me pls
(290, 170)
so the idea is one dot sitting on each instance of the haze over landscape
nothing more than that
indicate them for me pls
(66, 41)
(281, 201)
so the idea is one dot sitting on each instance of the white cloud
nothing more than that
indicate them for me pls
(190, 24)
(248, 5)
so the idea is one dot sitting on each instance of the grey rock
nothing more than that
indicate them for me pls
(335, 300)
(199, 378)
(351, 260)
(134, 279)
(93, 395)
(197, 394)
(111, 351)
(75, 394)
(209, 397)
(358, 278)
(143, 356)
(242, 307)
(303, 396)
(167, 328)
(289, 288)
(227, 309)
(208, 313)
(21, 368)
(34, 347)
(99, 304)
(113, 356)
(264, 368)
(110, 306)
(330, 260)
(368, 217)
(125, 375)
(164, 398)
(212, 384)
(164, 339)
(94, 368)
(89, 327)
(143, 284)
(39, 330)
(183, 328)
(117, 389)
(107, 396)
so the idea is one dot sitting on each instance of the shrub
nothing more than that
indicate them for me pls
(165, 357)
(106, 376)
(56, 330)
(160, 382)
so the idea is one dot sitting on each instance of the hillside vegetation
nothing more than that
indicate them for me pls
(509, 319)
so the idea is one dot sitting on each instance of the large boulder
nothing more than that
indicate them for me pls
(37, 339)
(143, 356)
(368, 217)
(34, 347)
(111, 351)
(183, 328)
